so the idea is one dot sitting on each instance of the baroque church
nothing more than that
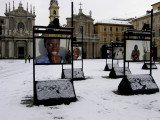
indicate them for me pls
(16, 32)
(90, 40)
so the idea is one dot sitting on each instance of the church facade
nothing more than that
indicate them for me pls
(90, 40)
(16, 32)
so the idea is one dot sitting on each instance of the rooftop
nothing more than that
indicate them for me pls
(115, 21)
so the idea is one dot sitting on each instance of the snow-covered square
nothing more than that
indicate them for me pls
(97, 97)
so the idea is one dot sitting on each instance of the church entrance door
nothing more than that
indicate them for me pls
(20, 52)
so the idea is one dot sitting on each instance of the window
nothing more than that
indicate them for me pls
(110, 28)
(116, 29)
(117, 39)
(20, 26)
(54, 12)
(105, 29)
(122, 29)
(2, 22)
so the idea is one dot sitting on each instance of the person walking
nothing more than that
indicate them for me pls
(25, 57)
(29, 58)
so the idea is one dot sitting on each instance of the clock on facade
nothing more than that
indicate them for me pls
(20, 26)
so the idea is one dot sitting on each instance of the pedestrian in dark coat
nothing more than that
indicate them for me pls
(29, 58)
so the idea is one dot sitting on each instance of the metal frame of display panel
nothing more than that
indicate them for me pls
(116, 45)
(138, 37)
(62, 33)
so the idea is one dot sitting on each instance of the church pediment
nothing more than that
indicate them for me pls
(83, 17)
(19, 12)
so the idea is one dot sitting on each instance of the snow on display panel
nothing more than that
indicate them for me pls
(77, 73)
(138, 82)
(120, 71)
(137, 50)
(54, 89)
(153, 65)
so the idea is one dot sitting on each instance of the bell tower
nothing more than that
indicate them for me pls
(54, 10)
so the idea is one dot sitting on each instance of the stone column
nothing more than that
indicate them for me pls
(3, 49)
(30, 48)
(11, 49)
(15, 49)
(6, 32)
(98, 50)
(10, 32)
(87, 52)
(91, 50)
(95, 50)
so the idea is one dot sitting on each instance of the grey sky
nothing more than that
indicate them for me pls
(101, 9)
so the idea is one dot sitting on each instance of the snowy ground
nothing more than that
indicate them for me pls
(97, 98)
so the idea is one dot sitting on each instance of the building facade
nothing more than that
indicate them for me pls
(139, 22)
(16, 32)
(90, 39)
(110, 31)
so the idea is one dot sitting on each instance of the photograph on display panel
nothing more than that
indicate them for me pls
(118, 53)
(77, 53)
(137, 50)
(51, 50)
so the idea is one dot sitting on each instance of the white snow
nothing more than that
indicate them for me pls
(114, 21)
(77, 73)
(54, 89)
(97, 96)
(140, 81)
(120, 71)
(148, 14)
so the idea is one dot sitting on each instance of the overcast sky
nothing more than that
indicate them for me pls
(101, 9)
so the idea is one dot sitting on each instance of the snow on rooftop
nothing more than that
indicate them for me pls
(149, 14)
(115, 21)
